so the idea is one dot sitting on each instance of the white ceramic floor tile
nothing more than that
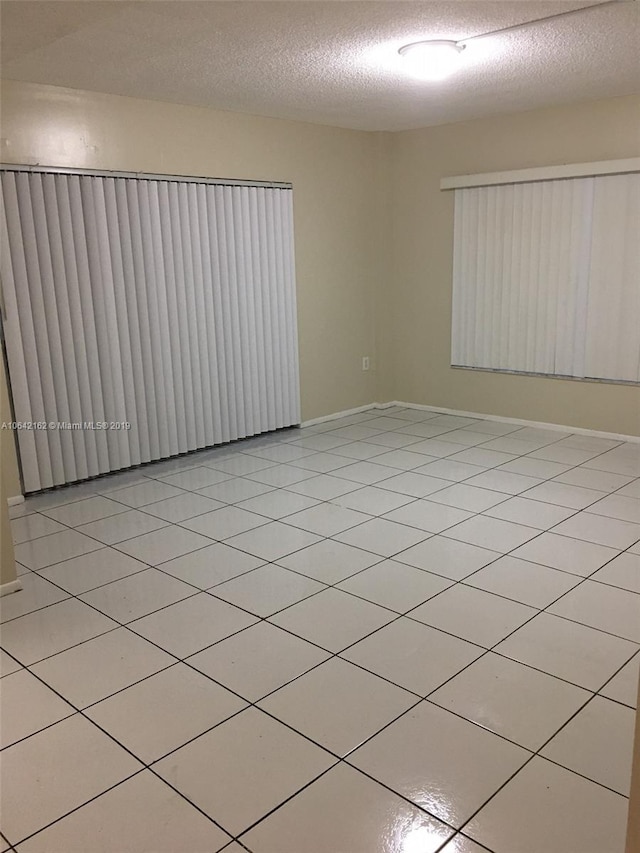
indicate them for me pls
(578, 654)
(280, 453)
(383, 537)
(240, 464)
(354, 432)
(473, 615)
(91, 570)
(598, 744)
(364, 449)
(36, 593)
(484, 458)
(333, 619)
(45, 782)
(427, 515)
(267, 590)
(258, 660)
(616, 463)
(183, 507)
(8, 664)
(322, 463)
(448, 557)
(588, 478)
(394, 585)
(234, 491)
(125, 525)
(372, 500)
(316, 820)
(329, 561)
(423, 430)
(539, 468)
(563, 494)
(414, 485)
(412, 655)
(622, 571)
(145, 493)
(513, 444)
(632, 490)
(277, 504)
(468, 497)
(618, 506)
(367, 472)
(28, 706)
(519, 580)
(448, 469)
(32, 527)
(536, 514)
(438, 761)
(322, 442)
(324, 487)
(492, 533)
(191, 625)
(326, 519)
(210, 566)
(503, 481)
(601, 530)
(494, 427)
(565, 553)
(545, 807)
(165, 711)
(560, 453)
(623, 687)
(53, 629)
(280, 475)
(466, 437)
(461, 844)
(273, 541)
(367, 703)
(165, 544)
(82, 512)
(142, 813)
(136, 595)
(259, 763)
(604, 607)
(512, 700)
(385, 422)
(196, 478)
(39, 553)
(224, 523)
(97, 668)
(395, 440)
(404, 460)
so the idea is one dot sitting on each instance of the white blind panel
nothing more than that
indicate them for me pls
(166, 304)
(534, 265)
(613, 317)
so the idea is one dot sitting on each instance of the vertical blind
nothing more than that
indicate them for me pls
(165, 304)
(546, 277)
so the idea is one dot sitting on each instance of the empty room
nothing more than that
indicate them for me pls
(320, 426)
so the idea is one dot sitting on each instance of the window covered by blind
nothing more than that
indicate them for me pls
(168, 304)
(546, 277)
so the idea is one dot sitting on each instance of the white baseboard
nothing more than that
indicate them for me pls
(15, 500)
(480, 415)
(10, 586)
(520, 422)
(337, 415)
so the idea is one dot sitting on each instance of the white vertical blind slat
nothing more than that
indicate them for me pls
(167, 304)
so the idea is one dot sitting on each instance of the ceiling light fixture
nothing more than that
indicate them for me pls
(432, 60)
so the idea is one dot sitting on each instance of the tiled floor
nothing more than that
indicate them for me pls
(398, 632)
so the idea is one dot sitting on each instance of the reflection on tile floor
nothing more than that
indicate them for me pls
(397, 632)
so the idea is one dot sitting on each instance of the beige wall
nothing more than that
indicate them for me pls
(334, 174)
(422, 218)
(373, 230)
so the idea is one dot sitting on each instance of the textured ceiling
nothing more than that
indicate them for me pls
(328, 62)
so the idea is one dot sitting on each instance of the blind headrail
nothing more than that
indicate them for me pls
(543, 173)
(142, 176)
